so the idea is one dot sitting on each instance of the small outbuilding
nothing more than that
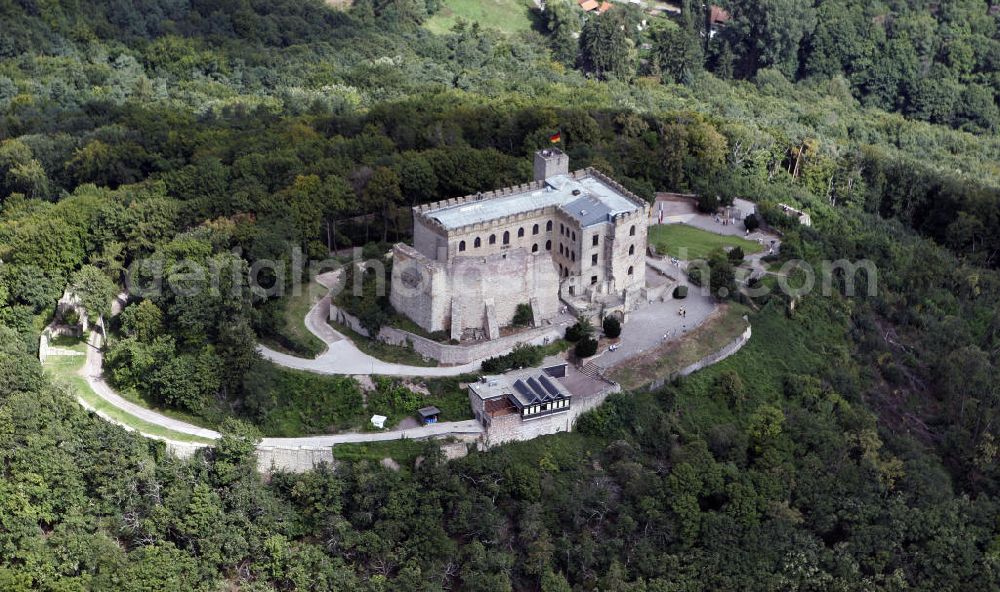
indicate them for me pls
(379, 421)
(428, 415)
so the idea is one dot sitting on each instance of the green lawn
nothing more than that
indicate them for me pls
(510, 16)
(688, 243)
(66, 369)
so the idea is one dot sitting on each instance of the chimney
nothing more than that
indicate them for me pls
(550, 162)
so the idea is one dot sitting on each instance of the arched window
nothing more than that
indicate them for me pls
(566, 272)
(520, 232)
(631, 249)
(534, 248)
(631, 231)
(560, 249)
(478, 243)
(506, 237)
(548, 226)
(562, 229)
(574, 237)
(461, 246)
(548, 245)
(534, 229)
(493, 239)
(572, 256)
(630, 270)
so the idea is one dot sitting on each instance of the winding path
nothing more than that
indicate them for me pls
(342, 356)
(92, 372)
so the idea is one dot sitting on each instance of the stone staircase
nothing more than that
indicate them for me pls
(592, 370)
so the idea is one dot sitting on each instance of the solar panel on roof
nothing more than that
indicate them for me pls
(524, 389)
(536, 388)
(553, 389)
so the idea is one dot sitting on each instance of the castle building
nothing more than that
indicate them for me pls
(578, 237)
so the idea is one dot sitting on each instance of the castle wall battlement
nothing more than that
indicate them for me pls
(422, 212)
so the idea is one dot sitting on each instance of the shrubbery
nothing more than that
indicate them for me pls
(578, 331)
(708, 203)
(523, 316)
(736, 255)
(371, 307)
(586, 347)
(393, 399)
(612, 327)
(522, 356)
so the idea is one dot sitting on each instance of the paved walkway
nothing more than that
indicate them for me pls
(342, 356)
(651, 325)
(92, 372)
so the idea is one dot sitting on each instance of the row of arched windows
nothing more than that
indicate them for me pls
(535, 230)
(478, 242)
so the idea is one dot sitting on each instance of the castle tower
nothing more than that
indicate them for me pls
(550, 162)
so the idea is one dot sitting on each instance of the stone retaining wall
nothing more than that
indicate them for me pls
(348, 320)
(447, 354)
(296, 459)
(729, 349)
(453, 355)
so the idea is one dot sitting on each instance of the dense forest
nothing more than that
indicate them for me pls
(852, 445)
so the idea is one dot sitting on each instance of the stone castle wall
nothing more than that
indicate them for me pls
(448, 354)
(621, 262)
(462, 293)
(420, 288)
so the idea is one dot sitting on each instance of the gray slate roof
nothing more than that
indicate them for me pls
(559, 191)
(588, 210)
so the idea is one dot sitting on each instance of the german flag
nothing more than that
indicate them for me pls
(555, 138)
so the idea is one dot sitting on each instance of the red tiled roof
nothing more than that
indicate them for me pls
(605, 6)
(718, 15)
(589, 5)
